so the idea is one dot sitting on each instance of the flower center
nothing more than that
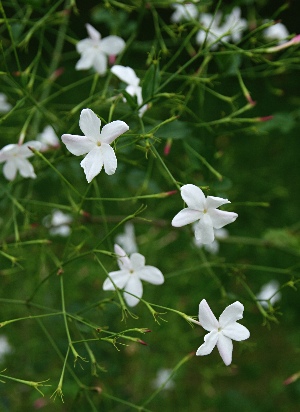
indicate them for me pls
(98, 143)
(205, 211)
(131, 271)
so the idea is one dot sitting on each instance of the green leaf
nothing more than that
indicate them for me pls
(151, 81)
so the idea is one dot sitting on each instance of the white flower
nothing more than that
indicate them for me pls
(95, 144)
(132, 272)
(163, 378)
(184, 12)
(128, 76)
(276, 32)
(58, 223)
(230, 30)
(269, 292)
(203, 211)
(127, 239)
(213, 247)
(94, 50)
(222, 332)
(15, 157)
(4, 105)
(48, 139)
(5, 347)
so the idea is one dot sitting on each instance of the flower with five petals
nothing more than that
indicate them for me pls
(94, 50)
(132, 271)
(15, 158)
(95, 144)
(222, 331)
(204, 212)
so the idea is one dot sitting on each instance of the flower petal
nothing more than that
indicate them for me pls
(210, 340)
(112, 45)
(225, 348)
(25, 168)
(119, 278)
(24, 150)
(231, 314)
(151, 274)
(134, 286)
(8, 151)
(236, 331)
(204, 231)
(123, 260)
(207, 319)
(86, 60)
(83, 45)
(193, 197)
(137, 261)
(100, 63)
(92, 163)
(126, 74)
(185, 217)
(92, 32)
(10, 169)
(109, 159)
(90, 124)
(113, 130)
(77, 145)
(213, 202)
(221, 218)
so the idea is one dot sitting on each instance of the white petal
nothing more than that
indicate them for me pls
(86, 60)
(213, 202)
(112, 45)
(100, 63)
(77, 145)
(134, 286)
(8, 151)
(113, 130)
(123, 260)
(210, 341)
(225, 348)
(206, 317)
(109, 159)
(10, 170)
(92, 163)
(25, 168)
(24, 150)
(83, 45)
(92, 32)
(231, 314)
(204, 231)
(151, 274)
(137, 261)
(127, 239)
(185, 217)
(90, 124)
(126, 74)
(221, 218)
(193, 197)
(119, 277)
(236, 331)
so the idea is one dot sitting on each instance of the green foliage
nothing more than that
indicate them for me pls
(206, 124)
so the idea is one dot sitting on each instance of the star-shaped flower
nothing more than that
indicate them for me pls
(15, 158)
(58, 223)
(277, 31)
(95, 144)
(203, 211)
(94, 50)
(132, 271)
(222, 331)
(128, 76)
